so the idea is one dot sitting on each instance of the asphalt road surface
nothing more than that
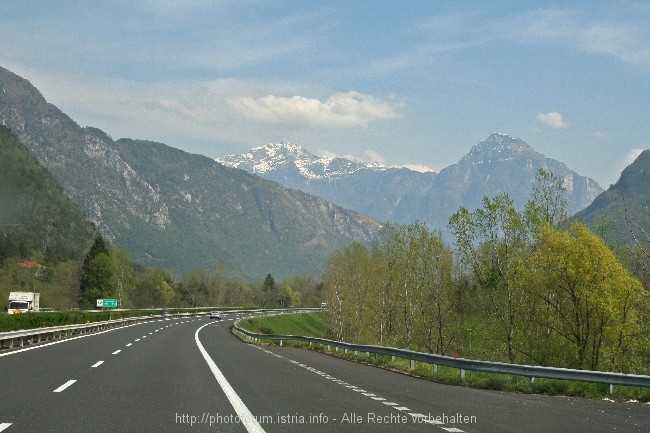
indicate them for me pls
(193, 375)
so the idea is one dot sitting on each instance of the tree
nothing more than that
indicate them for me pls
(348, 281)
(290, 297)
(97, 274)
(593, 309)
(123, 273)
(490, 240)
(269, 292)
(399, 293)
(429, 265)
(548, 204)
(153, 288)
(194, 289)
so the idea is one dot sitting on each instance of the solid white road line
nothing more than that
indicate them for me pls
(248, 420)
(4, 425)
(97, 364)
(65, 385)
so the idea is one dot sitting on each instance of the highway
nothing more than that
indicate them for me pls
(193, 375)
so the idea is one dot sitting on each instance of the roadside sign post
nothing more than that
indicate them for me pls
(107, 303)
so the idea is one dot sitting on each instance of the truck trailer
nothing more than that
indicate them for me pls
(23, 302)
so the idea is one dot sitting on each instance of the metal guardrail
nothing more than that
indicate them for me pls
(23, 337)
(463, 364)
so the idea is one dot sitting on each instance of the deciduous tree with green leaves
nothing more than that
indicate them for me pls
(594, 311)
(491, 240)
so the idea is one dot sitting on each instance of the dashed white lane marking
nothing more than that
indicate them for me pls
(129, 344)
(431, 420)
(4, 425)
(116, 352)
(394, 405)
(65, 340)
(65, 385)
(97, 364)
(137, 339)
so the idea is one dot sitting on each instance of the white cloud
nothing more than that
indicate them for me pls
(351, 109)
(324, 153)
(422, 168)
(628, 41)
(552, 119)
(632, 156)
(374, 157)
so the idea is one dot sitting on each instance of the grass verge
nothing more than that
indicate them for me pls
(304, 324)
(314, 325)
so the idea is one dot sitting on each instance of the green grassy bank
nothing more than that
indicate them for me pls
(304, 324)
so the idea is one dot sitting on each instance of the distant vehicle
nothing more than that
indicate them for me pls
(215, 315)
(23, 302)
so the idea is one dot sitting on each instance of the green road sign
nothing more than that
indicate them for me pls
(107, 303)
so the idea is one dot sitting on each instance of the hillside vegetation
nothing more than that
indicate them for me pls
(519, 287)
(175, 210)
(37, 220)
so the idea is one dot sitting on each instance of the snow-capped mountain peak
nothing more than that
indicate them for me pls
(282, 156)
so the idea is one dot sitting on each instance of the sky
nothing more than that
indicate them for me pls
(409, 84)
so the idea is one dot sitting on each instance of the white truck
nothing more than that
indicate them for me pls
(23, 302)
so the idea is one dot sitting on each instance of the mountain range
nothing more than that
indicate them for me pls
(621, 215)
(176, 210)
(277, 209)
(37, 220)
(500, 164)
